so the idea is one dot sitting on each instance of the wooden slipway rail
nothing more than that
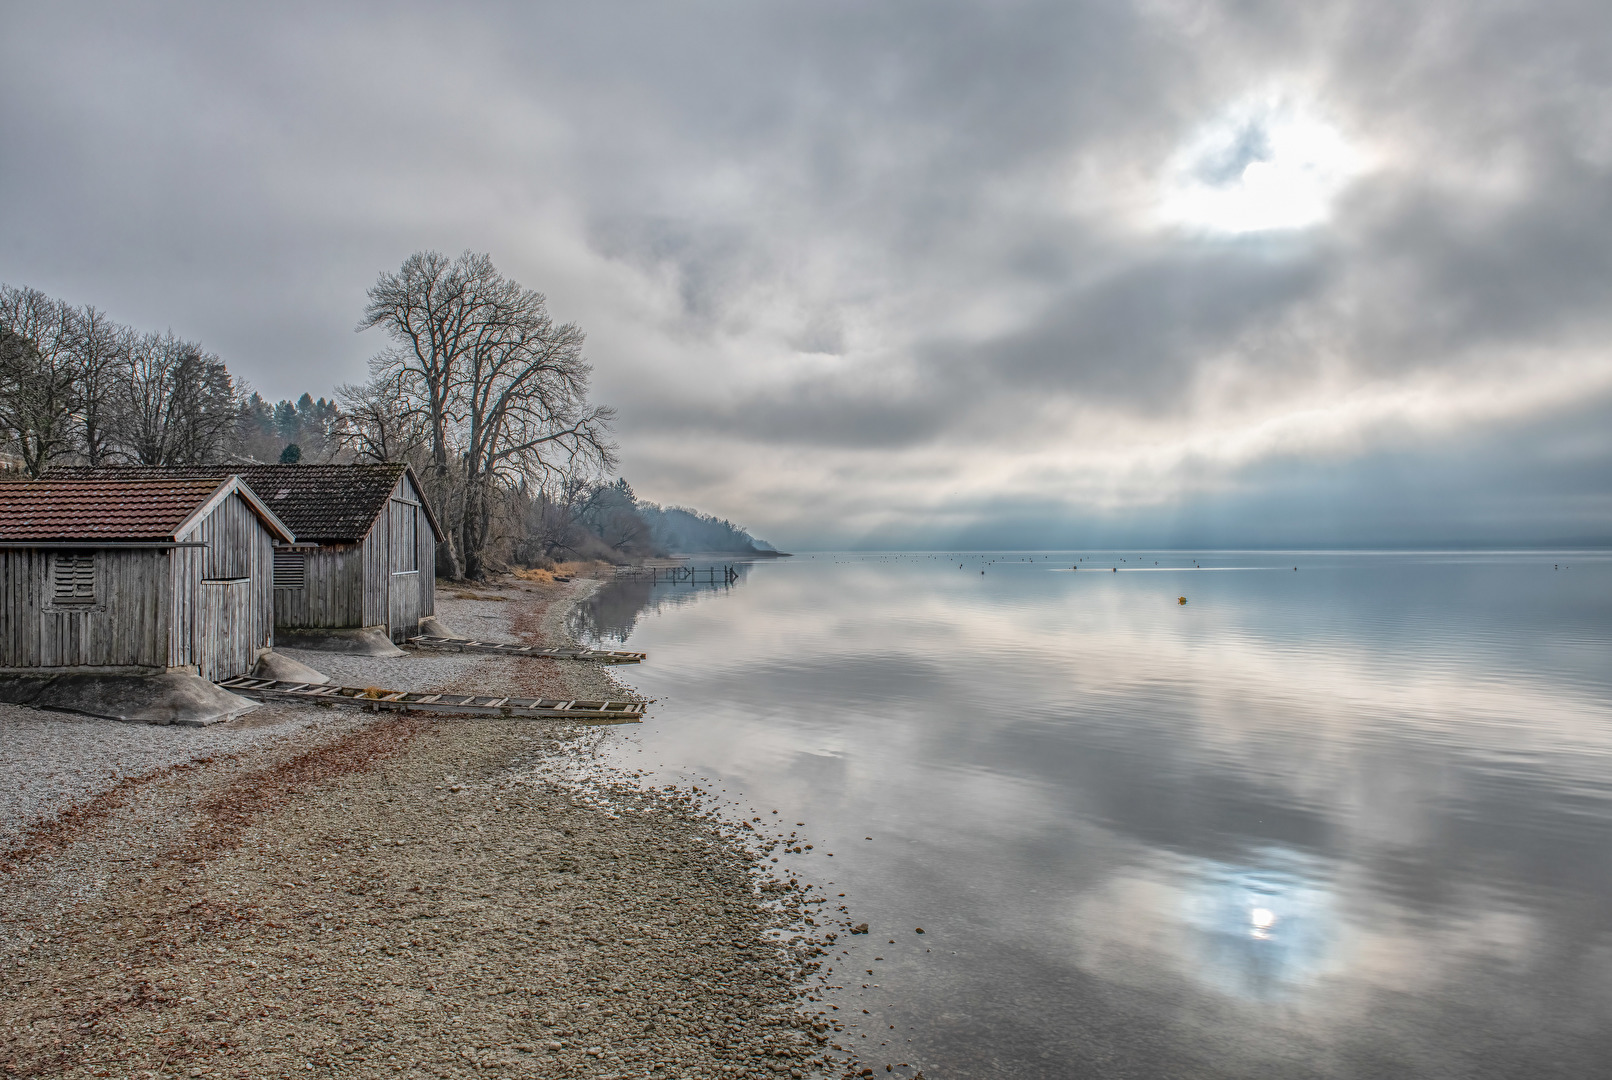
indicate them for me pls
(595, 712)
(598, 656)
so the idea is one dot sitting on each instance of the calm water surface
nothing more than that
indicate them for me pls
(1353, 820)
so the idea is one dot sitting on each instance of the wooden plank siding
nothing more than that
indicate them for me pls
(377, 582)
(227, 631)
(230, 601)
(125, 629)
(425, 555)
(427, 564)
(332, 595)
(403, 606)
(184, 594)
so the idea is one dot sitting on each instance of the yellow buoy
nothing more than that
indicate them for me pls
(1180, 599)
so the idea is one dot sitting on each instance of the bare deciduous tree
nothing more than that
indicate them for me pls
(524, 411)
(102, 350)
(501, 388)
(378, 423)
(38, 376)
(178, 405)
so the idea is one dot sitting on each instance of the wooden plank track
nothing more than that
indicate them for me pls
(498, 648)
(592, 712)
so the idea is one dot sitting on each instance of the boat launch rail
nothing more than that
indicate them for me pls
(500, 648)
(587, 711)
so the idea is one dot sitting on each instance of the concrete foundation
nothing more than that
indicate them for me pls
(176, 697)
(272, 665)
(431, 626)
(364, 641)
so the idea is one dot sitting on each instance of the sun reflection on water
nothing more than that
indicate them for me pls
(1261, 929)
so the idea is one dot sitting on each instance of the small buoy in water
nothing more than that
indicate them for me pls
(1180, 599)
(1116, 569)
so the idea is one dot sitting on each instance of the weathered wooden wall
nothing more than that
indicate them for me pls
(127, 626)
(332, 594)
(184, 593)
(403, 614)
(226, 629)
(427, 564)
(229, 604)
(376, 580)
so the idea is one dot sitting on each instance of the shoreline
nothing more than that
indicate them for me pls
(318, 892)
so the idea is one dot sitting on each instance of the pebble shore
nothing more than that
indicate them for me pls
(312, 891)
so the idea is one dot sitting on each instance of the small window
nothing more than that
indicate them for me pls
(74, 584)
(290, 569)
(405, 537)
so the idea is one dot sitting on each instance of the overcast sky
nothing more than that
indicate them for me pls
(901, 274)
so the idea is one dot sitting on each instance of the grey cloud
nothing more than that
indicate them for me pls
(1137, 338)
(938, 196)
(1545, 481)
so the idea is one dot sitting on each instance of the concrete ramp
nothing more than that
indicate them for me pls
(273, 665)
(433, 627)
(364, 641)
(174, 698)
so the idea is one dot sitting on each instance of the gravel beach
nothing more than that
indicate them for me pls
(312, 891)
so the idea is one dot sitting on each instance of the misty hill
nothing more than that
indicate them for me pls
(677, 529)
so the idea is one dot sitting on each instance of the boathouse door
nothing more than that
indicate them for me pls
(225, 643)
(403, 599)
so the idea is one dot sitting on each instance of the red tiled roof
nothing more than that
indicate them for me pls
(100, 509)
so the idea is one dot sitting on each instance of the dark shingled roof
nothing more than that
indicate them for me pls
(317, 502)
(99, 509)
(325, 502)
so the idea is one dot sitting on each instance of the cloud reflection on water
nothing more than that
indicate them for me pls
(1353, 810)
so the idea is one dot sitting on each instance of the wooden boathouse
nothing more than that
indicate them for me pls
(134, 576)
(365, 555)
(367, 547)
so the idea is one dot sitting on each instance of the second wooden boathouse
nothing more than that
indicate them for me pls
(367, 547)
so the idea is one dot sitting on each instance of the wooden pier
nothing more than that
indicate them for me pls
(693, 575)
(498, 648)
(371, 698)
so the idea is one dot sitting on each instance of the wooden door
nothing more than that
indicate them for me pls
(225, 643)
(403, 588)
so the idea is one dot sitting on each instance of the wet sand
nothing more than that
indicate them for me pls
(353, 895)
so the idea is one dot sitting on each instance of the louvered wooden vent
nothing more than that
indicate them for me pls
(74, 579)
(290, 569)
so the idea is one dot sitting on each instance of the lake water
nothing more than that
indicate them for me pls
(1349, 820)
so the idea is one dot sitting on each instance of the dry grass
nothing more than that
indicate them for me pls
(565, 570)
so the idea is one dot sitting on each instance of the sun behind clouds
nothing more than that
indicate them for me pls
(1262, 165)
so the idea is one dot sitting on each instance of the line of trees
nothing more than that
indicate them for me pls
(478, 387)
(77, 387)
(593, 519)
